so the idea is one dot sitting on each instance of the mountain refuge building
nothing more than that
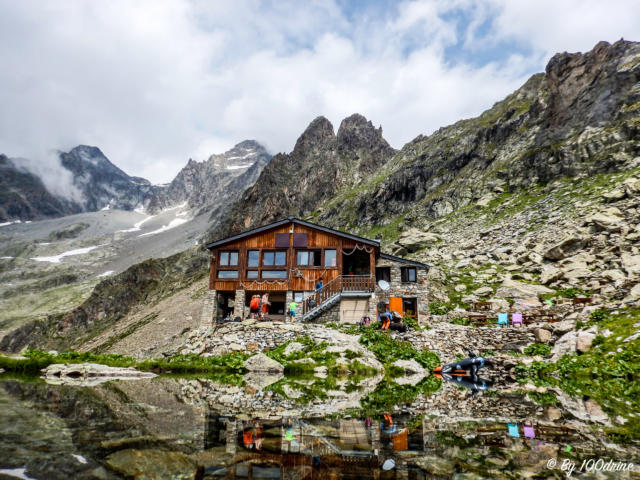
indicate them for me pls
(288, 259)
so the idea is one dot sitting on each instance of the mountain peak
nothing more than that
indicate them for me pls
(357, 132)
(319, 132)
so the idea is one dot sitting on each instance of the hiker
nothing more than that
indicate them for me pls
(319, 285)
(265, 305)
(254, 306)
(259, 437)
(292, 309)
(385, 320)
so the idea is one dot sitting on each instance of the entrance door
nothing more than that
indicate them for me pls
(395, 305)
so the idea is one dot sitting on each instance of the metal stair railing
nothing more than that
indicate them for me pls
(314, 302)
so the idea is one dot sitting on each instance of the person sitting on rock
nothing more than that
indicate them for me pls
(385, 320)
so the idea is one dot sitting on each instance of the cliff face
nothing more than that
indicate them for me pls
(218, 181)
(579, 118)
(320, 165)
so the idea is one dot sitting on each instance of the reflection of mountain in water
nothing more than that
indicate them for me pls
(115, 429)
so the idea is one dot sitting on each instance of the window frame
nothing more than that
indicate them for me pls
(274, 264)
(262, 272)
(228, 270)
(405, 277)
(324, 257)
(228, 253)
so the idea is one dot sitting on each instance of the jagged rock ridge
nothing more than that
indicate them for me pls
(320, 165)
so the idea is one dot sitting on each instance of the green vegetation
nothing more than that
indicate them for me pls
(314, 355)
(566, 293)
(461, 321)
(544, 399)
(538, 349)
(387, 350)
(36, 360)
(389, 394)
(440, 308)
(609, 372)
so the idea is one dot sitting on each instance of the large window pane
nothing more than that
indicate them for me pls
(228, 259)
(330, 258)
(281, 258)
(274, 274)
(267, 258)
(303, 258)
(252, 274)
(227, 274)
(253, 258)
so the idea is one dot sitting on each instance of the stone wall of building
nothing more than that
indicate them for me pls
(418, 290)
(239, 304)
(210, 308)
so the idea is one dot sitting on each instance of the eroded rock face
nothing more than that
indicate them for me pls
(519, 290)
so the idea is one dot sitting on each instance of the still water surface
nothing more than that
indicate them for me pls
(186, 427)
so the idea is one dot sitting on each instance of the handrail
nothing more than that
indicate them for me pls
(342, 283)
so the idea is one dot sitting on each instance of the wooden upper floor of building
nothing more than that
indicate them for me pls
(291, 254)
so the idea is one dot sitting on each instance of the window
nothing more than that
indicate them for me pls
(274, 274)
(330, 258)
(282, 240)
(228, 259)
(253, 258)
(274, 258)
(306, 257)
(408, 274)
(252, 273)
(227, 274)
(298, 296)
(383, 273)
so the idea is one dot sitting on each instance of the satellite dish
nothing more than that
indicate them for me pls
(390, 463)
(384, 285)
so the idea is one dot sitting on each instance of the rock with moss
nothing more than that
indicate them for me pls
(261, 363)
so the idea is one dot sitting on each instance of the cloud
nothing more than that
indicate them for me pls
(155, 82)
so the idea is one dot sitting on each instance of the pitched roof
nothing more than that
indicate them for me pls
(404, 260)
(248, 233)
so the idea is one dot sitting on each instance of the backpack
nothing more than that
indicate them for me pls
(255, 303)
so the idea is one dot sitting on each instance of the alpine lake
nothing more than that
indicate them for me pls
(311, 427)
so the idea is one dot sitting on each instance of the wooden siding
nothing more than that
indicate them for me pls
(300, 278)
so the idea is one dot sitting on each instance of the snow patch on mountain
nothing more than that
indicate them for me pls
(69, 253)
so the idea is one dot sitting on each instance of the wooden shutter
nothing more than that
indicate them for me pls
(282, 240)
(300, 240)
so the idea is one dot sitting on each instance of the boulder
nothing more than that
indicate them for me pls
(550, 274)
(261, 363)
(413, 240)
(634, 293)
(631, 263)
(614, 195)
(584, 341)
(613, 275)
(552, 414)
(514, 289)
(566, 248)
(631, 186)
(260, 380)
(410, 366)
(152, 464)
(89, 373)
(483, 291)
(607, 221)
(565, 344)
(542, 335)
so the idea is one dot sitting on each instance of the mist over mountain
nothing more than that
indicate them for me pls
(85, 180)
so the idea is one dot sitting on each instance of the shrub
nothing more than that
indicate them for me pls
(538, 349)
(440, 308)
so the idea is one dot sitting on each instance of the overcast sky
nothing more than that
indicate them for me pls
(155, 82)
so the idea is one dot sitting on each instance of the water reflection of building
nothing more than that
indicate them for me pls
(289, 448)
